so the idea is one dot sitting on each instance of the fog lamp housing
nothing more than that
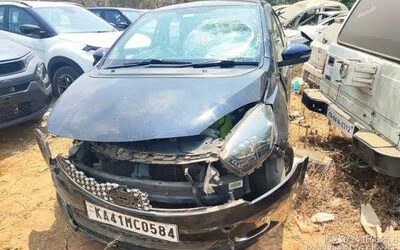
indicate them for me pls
(250, 142)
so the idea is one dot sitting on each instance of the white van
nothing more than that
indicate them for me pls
(360, 88)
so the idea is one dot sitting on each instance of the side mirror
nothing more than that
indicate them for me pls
(99, 54)
(31, 29)
(295, 54)
(122, 25)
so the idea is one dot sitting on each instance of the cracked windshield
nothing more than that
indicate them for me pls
(193, 34)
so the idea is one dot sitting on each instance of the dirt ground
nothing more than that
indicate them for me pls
(31, 219)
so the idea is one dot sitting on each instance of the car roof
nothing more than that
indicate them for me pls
(38, 4)
(116, 8)
(300, 7)
(307, 4)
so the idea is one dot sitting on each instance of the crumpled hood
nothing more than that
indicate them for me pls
(143, 107)
(10, 50)
(101, 40)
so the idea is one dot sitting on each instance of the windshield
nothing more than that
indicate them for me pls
(192, 35)
(73, 19)
(132, 15)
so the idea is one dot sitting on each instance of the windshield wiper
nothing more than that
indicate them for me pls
(149, 62)
(221, 63)
(183, 64)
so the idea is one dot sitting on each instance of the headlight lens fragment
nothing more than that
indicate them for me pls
(251, 141)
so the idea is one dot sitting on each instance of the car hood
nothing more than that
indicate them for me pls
(10, 50)
(101, 40)
(151, 106)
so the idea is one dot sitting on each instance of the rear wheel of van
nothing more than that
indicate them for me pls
(63, 78)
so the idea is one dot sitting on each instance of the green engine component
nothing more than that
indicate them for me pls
(225, 125)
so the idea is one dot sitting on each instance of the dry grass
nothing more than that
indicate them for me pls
(339, 188)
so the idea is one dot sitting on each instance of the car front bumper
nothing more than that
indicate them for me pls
(380, 154)
(235, 224)
(23, 99)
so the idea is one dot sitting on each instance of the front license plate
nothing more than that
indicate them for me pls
(153, 229)
(346, 126)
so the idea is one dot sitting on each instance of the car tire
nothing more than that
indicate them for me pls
(63, 78)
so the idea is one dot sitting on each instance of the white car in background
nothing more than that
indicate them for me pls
(312, 31)
(63, 35)
(312, 70)
(308, 13)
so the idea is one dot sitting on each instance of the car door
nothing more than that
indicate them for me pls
(16, 17)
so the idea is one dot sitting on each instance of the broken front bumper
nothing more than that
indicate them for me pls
(235, 224)
(380, 154)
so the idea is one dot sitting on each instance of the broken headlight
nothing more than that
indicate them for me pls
(250, 142)
(41, 75)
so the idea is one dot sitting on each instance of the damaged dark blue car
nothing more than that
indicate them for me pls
(181, 131)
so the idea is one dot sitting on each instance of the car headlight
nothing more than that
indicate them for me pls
(41, 74)
(250, 142)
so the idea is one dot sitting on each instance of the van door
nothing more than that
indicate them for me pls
(363, 69)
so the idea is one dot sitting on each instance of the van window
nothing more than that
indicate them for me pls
(371, 27)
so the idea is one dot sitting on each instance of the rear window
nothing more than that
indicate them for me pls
(372, 27)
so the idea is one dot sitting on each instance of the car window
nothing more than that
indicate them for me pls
(333, 8)
(73, 19)
(18, 17)
(309, 18)
(114, 17)
(371, 27)
(2, 14)
(97, 12)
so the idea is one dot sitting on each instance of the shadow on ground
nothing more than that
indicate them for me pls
(61, 236)
(16, 139)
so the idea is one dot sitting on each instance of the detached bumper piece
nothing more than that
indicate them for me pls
(91, 207)
(380, 154)
(315, 101)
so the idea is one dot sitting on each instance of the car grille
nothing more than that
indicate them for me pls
(7, 68)
(112, 192)
(14, 89)
(15, 111)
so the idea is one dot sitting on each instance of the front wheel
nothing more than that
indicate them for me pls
(63, 78)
